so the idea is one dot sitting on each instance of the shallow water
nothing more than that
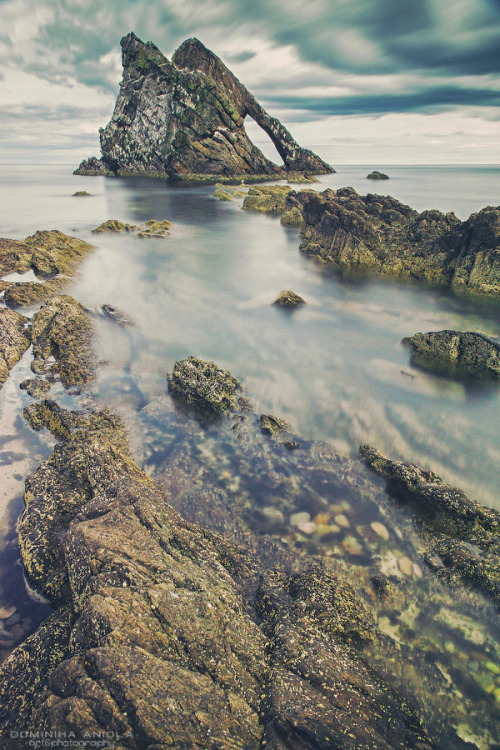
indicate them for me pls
(334, 368)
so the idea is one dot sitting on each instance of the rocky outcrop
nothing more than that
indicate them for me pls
(267, 199)
(62, 334)
(456, 353)
(184, 118)
(379, 234)
(14, 340)
(150, 228)
(52, 255)
(466, 538)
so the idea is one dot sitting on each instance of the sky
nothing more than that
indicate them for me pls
(360, 81)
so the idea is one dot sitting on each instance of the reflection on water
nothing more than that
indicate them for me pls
(334, 368)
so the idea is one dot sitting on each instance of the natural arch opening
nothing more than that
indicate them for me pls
(263, 142)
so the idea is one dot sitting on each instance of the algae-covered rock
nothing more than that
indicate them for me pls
(62, 331)
(184, 118)
(52, 255)
(293, 218)
(150, 228)
(300, 177)
(377, 176)
(456, 353)
(458, 521)
(266, 199)
(14, 340)
(379, 234)
(36, 387)
(288, 299)
(205, 386)
(81, 194)
(172, 636)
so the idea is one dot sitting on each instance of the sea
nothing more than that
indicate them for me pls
(335, 369)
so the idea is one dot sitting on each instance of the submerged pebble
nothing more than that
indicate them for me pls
(302, 517)
(6, 612)
(341, 520)
(380, 530)
(406, 566)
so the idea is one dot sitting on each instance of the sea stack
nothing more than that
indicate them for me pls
(184, 119)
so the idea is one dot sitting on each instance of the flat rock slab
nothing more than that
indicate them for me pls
(150, 228)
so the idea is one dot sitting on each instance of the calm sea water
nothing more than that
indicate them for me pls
(334, 368)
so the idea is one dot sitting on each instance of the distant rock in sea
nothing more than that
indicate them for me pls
(456, 353)
(184, 119)
(377, 176)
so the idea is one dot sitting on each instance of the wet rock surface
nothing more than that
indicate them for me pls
(268, 199)
(465, 536)
(150, 228)
(36, 387)
(52, 255)
(62, 332)
(117, 315)
(184, 118)
(456, 353)
(14, 340)
(379, 234)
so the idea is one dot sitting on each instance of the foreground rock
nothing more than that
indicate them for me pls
(379, 234)
(268, 199)
(52, 255)
(288, 299)
(62, 334)
(456, 353)
(467, 538)
(171, 636)
(184, 118)
(377, 176)
(150, 228)
(14, 340)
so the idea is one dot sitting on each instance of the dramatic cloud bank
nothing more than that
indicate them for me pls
(390, 80)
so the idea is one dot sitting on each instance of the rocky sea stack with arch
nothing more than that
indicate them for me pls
(184, 119)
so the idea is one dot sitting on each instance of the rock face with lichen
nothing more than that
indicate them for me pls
(204, 386)
(184, 118)
(379, 234)
(456, 353)
(150, 228)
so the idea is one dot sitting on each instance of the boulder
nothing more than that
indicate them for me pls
(204, 386)
(150, 228)
(184, 119)
(456, 353)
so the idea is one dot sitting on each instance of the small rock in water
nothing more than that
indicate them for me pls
(341, 520)
(307, 527)
(6, 612)
(380, 530)
(492, 667)
(13, 620)
(274, 515)
(287, 298)
(81, 193)
(406, 566)
(117, 315)
(352, 546)
(297, 518)
(6, 635)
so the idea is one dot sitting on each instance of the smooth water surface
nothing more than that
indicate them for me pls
(335, 368)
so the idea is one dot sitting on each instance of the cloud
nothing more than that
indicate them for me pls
(312, 60)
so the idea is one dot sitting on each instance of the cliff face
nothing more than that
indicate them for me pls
(185, 118)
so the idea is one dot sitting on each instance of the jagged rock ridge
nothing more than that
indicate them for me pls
(185, 118)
